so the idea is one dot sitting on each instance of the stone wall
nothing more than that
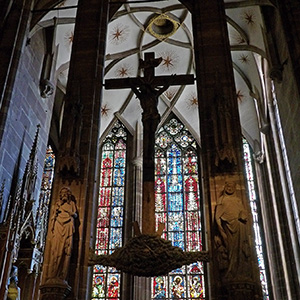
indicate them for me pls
(287, 91)
(27, 109)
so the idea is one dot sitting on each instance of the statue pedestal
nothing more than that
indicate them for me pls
(55, 289)
(239, 291)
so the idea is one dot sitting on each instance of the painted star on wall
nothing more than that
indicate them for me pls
(244, 58)
(104, 110)
(239, 95)
(169, 60)
(119, 34)
(238, 39)
(69, 37)
(124, 70)
(192, 101)
(249, 17)
(170, 93)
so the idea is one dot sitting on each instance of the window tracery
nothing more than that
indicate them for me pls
(178, 206)
(109, 231)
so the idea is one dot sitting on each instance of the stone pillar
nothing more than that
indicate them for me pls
(233, 270)
(78, 153)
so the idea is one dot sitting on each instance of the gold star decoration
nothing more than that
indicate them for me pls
(239, 95)
(244, 58)
(104, 110)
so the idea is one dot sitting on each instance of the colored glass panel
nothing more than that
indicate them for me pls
(177, 205)
(253, 204)
(110, 219)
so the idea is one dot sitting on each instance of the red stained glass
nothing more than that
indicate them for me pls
(104, 199)
(103, 216)
(109, 233)
(106, 175)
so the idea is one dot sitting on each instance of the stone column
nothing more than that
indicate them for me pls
(233, 270)
(78, 153)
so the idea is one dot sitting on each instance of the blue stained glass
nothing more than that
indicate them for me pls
(178, 271)
(174, 151)
(175, 202)
(175, 184)
(118, 196)
(176, 221)
(120, 162)
(177, 239)
(174, 165)
(115, 240)
(116, 219)
(119, 175)
(180, 195)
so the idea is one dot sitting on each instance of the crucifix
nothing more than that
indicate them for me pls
(147, 254)
(148, 89)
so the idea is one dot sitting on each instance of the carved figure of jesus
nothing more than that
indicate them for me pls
(148, 96)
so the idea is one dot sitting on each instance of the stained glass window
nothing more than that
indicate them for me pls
(109, 232)
(255, 215)
(177, 204)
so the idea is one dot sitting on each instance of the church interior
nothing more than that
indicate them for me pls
(148, 149)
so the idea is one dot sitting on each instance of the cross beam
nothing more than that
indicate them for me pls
(148, 89)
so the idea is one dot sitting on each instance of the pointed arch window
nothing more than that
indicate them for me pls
(255, 215)
(177, 204)
(109, 231)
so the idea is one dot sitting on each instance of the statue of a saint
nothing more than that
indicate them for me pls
(231, 219)
(62, 230)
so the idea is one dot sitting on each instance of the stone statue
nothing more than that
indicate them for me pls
(62, 230)
(232, 239)
(14, 292)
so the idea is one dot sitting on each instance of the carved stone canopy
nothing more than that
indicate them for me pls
(148, 255)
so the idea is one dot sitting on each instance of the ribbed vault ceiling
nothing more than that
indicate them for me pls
(164, 27)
